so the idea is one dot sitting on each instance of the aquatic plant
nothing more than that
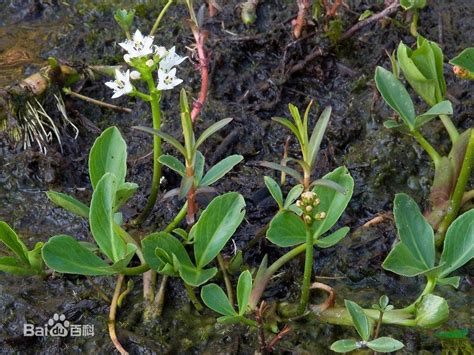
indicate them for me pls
(146, 59)
(192, 172)
(315, 213)
(415, 255)
(423, 69)
(413, 7)
(364, 326)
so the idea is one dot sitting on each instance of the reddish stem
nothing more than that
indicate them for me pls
(299, 22)
(191, 198)
(331, 11)
(212, 9)
(271, 346)
(200, 37)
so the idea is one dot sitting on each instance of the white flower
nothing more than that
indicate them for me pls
(139, 46)
(170, 60)
(121, 85)
(160, 51)
(167, 79)
(135, 75)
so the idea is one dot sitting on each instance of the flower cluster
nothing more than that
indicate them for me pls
(309, 200)
(139, 49)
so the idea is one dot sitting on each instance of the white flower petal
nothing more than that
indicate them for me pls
(170, 60)
(121, 85)
(139, 46)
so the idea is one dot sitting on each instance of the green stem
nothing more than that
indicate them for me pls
(137, 270)
(177, 220)
(127, 238)
(192, 297)
(155, 182)
(225, 275)
(308, 269)
(434, 155)
(141, 95)
(340, 316)
(414, 23)
(379, 325)
(452, 131)
(249, 322)
(160, 16)
(457, 197)
(430, 285)
(258, 289)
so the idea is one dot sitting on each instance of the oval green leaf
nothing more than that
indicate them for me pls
(108, 155)
(216, 226)
(286, 229)
(360, 319)
(66, 255)
(395, 95)
(244, 288)
(274, 190)
(220, 169)
(69, 203)
(215, 298)
(101, 219)
(333, 202)
(459, 243)
(385, 345)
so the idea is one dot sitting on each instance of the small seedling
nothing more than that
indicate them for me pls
(415, 254)
(214, 297)
(167, 255)
(363, 326)
(423, 69)
(414, 7)
(309, 145)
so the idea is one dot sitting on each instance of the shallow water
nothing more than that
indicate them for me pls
(381, 162)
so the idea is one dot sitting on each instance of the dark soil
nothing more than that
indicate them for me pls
(249, 82)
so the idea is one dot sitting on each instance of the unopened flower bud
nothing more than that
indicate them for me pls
(308, 196)
(309, 208)
(299, 203)
(320, 215)
(149, 63)
(127, 58)
(134, 75)
(316, 202)
(308, 219)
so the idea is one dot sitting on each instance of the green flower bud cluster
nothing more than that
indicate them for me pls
(307, 203)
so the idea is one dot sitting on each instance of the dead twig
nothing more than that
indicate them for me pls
(393, 7)
(318, 308)
(69, 92)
